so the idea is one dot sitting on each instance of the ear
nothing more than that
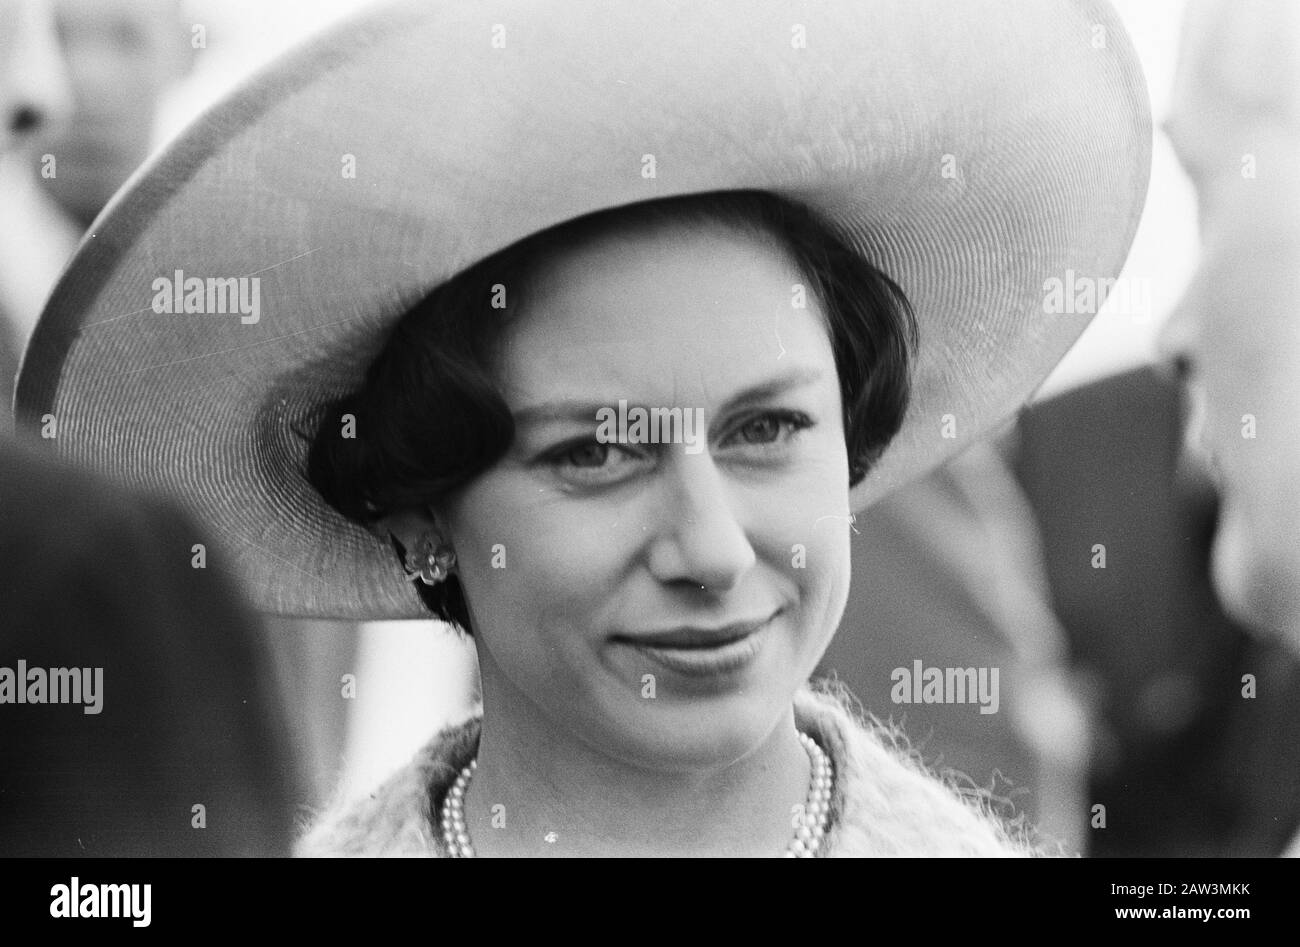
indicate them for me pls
(409, 526)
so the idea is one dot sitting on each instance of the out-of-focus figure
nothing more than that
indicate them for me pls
(34, 94)
(1183, 764)
(949, 575)
(33, 85)
(1235, 337)
(1121, 729)
(81, 104)
(122, 56)
(184, 750)
(164, 735)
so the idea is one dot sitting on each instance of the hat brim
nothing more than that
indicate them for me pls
(973, 151)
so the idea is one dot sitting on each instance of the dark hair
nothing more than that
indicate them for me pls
(429, 417)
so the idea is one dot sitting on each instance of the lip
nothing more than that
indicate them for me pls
(1214, 466)
(1206, 463)
(703, 652)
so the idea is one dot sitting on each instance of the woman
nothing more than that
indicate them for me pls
(609, 409)
(644, 614)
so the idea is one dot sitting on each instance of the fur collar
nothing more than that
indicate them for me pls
(885, 802)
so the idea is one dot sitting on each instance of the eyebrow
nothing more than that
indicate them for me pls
(585, 411)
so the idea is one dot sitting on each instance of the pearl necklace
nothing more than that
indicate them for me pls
(811, 822)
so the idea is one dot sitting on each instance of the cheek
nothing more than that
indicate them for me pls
(1251, 404)
(1259, 457)
(805, 534)
(531, 564)
(823, 589)
(1259, 519)
(1254, 568)
(1248, 352)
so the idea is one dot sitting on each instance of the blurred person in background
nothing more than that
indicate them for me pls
(1189, 756)
(33, 84)
(1198, 749)
(83, 136)
(952, 576)
(1120, 679)
(187, 753)
(181, 748)
(34, 241)
(1234, 340)
(122, 57)
(82, 115)
(1182, 764)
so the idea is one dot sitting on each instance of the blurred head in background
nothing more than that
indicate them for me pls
(122, 56)
(34, 95)
(33, 87)
(1235, 337)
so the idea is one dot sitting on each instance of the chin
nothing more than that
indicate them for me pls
(689, 735)
(1256, 585)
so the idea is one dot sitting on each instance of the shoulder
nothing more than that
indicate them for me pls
(886, 802)
(77, 548)
(397, 819)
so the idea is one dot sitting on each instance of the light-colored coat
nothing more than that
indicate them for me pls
(884, 804)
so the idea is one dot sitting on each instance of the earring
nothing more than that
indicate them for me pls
(431, 561)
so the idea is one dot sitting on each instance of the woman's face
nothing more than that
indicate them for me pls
(661, 601)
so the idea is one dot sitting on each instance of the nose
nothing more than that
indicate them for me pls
(1176, 347)
(34, 89)
(700, 541)
(1176, 341)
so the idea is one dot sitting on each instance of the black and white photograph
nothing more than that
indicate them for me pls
(732, 429)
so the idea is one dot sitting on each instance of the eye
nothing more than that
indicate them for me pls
(594, 463)
(770, 427)
(588, 455)
(761, 430)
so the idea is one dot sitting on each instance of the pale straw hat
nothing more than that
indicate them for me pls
(975, 151)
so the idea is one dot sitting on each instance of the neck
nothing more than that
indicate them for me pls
(535, 781)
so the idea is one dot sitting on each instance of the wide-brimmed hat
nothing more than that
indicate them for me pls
(989, 155)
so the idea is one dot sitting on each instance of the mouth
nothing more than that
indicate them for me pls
(1215, 469)
(1205, 465)
(703, 652)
